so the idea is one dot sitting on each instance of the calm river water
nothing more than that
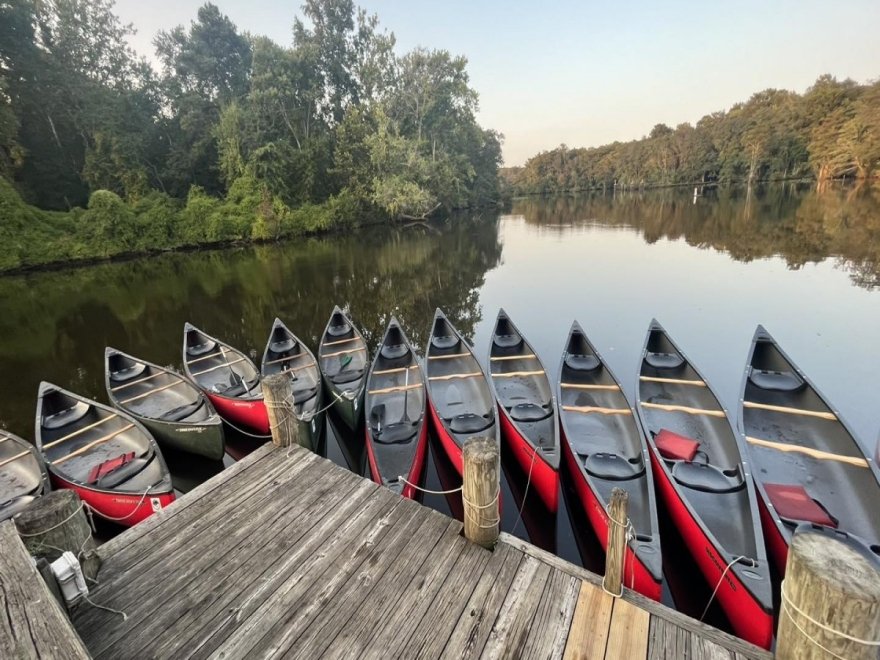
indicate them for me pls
(805, 265)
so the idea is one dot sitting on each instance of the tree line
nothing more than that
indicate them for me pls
(831, 131)
(234, 137)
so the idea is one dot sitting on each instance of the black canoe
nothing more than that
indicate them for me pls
(285, 353)
(526, 406)
(605, 448)
(807, 464)
(23, 476)
(344, 359)
(396, 432)
(705, 484)
(229, 379)
(462, 405)
(105, 455)
(174, 410)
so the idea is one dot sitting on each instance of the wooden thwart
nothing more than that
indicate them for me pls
(92, 444)
(589, 386)
(395, 371)
(14, 458)
(502, 358)
(474, 374)
(73, 434)
(448, 357)
(398, 388)
(597, 409)
(349, 350)
(219, 353)
(285, 359)
(512, 374)
(673, 381)
(794, 411)
(809, 451)
(218, 366)
(179, 381)
(685, 409)
(135, 382)
(340, 341)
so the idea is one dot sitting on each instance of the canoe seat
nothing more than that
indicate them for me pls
(530, 412)
(705, 477)
(108, 466)
(304, 394)
(75, 413)
(236, 387)
(794, 505)
(200, 349)
(470, 423)
(777, 381)
(507, 341)
(664, 360)
(394, 352)
(395, 434)
(613, 467)
(581, 362)
(339, 330)
(346, 376)
(444, 342)
(283, 346)
(122, 473)
(127, 374)
(181, 412)
(675, 447)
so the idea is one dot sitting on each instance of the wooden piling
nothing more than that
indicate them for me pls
(830, 599)
(615, 551)
(278, 396)
(55, 523)
(480, 490)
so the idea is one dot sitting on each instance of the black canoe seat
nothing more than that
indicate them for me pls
(530, 412)
(394, 351)
(127, 374)
(395, 434)
(705, 477)
(444, 342)
(778, 381)
(470, 423)
(75, 413)
(612, 467)
(236, 387)
(507, 341)
(304, 394)
(339, 330)
(181, 412)
(664, 360)
(582, 362)
(347, 376)
(200, 349)
(124, 473)
(283, 346)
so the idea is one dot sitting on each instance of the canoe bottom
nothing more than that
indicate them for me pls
(122, 508)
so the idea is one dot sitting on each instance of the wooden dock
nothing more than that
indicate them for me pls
(287, 554)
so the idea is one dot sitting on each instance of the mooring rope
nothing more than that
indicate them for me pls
(467, 502)
(525, 493)
(721, 579)
(53, 527)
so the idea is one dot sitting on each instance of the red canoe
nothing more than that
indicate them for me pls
(396, 429)
(526, 407)
(604, 448)
(705, 485)
(229, 379)
(105, 455)
(461, 401)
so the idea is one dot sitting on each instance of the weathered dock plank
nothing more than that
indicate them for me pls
(588, 635)
(32, 625)
(628, 634)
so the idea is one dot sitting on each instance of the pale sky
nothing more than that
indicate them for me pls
(587, 73)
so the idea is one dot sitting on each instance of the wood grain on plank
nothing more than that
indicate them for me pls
(588, 635)
(628, 633)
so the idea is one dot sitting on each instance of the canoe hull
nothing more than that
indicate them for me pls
(348, 410)
(415, 471)
(544, 478)
(122, 508)
(748, 618)
(250, 415)
(199, 439)
(777, 544)
(636, 575)
(450, 446)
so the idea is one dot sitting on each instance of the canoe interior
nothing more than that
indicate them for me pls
(343, 355)
(718, 494)
(21, 479)
(849, 493)
(528, 396)
(220, 369)
(285, 353)
(62, 414)
(395, 418)
(609, 448)
(458, 388)
(159, 394)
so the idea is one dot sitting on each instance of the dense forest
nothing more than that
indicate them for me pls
(832, 131)
(235, 137)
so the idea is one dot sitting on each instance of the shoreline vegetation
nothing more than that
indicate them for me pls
(233, 139)
(830, 132)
